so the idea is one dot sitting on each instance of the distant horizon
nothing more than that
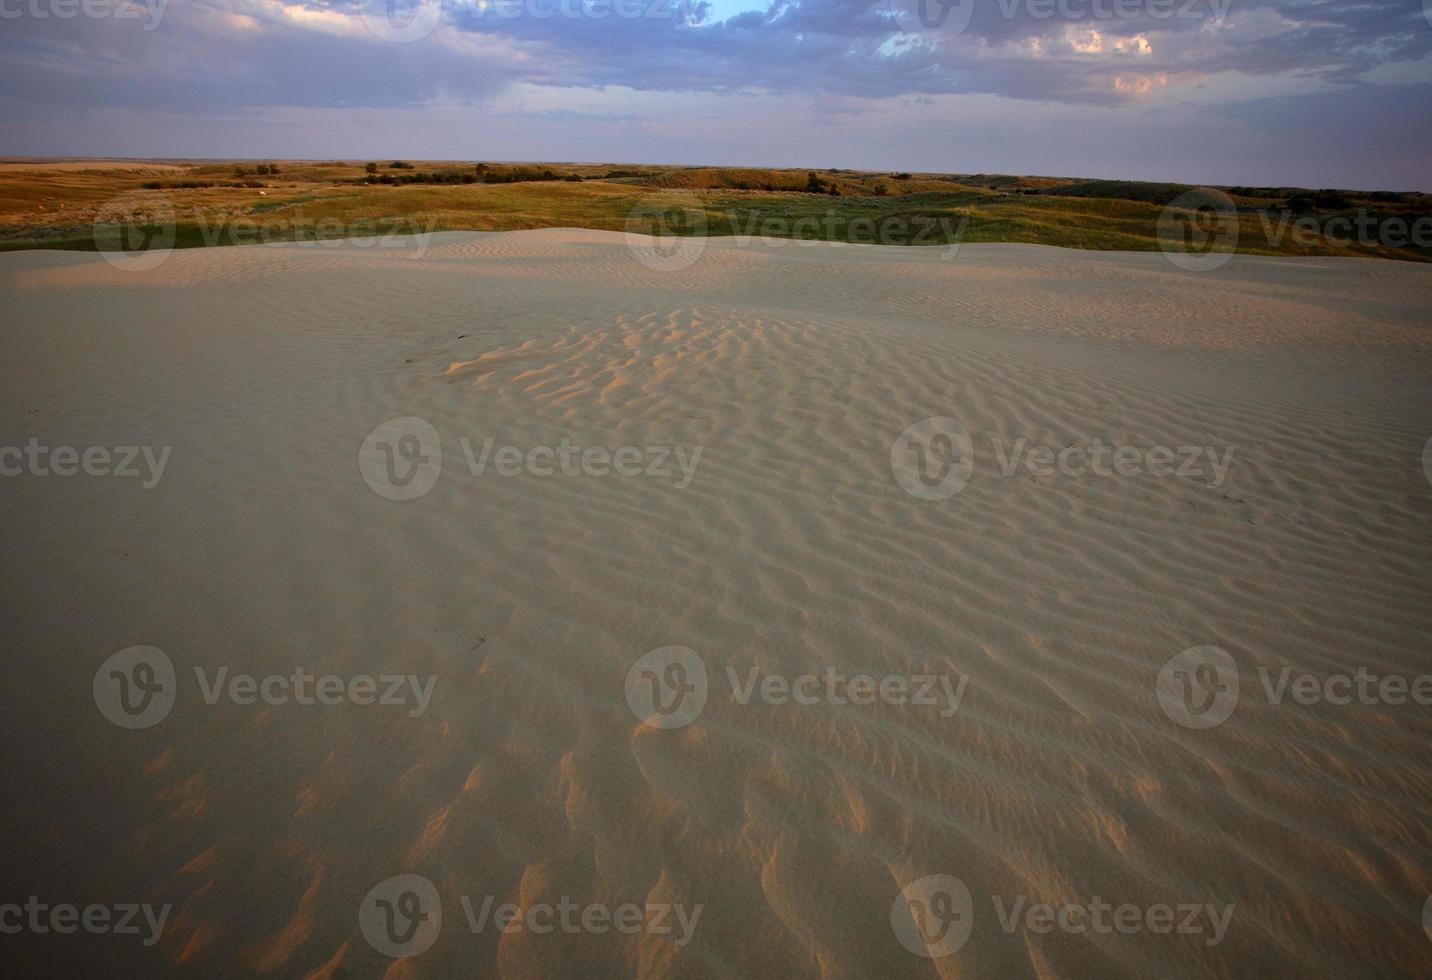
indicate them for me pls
(20, 158)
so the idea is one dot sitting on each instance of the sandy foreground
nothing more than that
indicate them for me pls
(526, 606)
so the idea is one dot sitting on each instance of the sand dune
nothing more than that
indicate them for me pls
(787, 545)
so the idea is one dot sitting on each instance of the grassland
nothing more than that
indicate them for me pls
(60, 205)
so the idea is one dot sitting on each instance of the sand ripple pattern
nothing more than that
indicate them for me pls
(793, 368)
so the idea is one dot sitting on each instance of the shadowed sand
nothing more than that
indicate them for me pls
(793, 548)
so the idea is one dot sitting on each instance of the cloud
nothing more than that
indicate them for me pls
(209, 59)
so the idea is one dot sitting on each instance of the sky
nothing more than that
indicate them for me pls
(1314, 93)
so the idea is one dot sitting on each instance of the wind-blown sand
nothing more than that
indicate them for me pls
(794, 368)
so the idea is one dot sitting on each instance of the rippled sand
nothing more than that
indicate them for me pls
(1055, 598)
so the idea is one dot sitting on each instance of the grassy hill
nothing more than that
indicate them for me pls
(53, 206)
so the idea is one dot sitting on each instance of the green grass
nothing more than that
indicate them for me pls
(57, 210)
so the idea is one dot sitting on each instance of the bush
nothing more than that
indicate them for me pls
(372, 168)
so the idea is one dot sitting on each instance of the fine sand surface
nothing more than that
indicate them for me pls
(794, 548)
